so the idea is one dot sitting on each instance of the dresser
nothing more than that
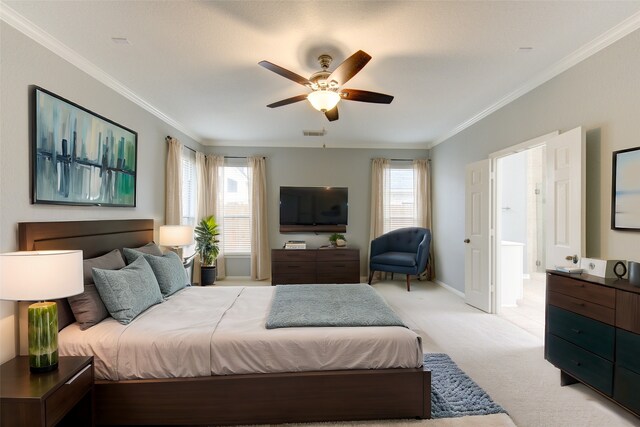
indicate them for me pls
(592, 334)
(300, 266)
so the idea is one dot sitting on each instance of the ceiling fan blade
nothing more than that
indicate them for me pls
(332, 114)
(350, 67)
(366, 96)
(288, 101)
(285, 73)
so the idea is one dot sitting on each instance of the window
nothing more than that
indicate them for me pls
(399, 197)
(236, 208)
(189, 187)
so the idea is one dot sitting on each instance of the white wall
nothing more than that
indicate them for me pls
(602, 93)
(26, 63)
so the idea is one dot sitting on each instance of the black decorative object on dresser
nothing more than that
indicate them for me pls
(593, 334)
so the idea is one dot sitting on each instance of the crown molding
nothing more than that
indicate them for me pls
(28, 28)
(316, 142)
(609, 37)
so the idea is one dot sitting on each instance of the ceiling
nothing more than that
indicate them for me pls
(195, 64)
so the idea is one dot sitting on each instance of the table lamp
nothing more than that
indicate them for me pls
(40, 276)
(176, 236)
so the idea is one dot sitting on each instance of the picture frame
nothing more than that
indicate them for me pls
(80, 157)
(625, 192)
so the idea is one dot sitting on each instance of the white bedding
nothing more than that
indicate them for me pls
(204, 331)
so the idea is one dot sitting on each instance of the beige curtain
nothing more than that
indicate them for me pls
(173, 183)
(209, 170)
(260, 253)
(378, 170)
(422, 185)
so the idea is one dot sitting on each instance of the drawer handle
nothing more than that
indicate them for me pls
(577, 331)
(576, 363)
(340, 266)
(78, 374)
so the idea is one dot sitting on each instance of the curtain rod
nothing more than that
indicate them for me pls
(405, 160)
(226, 157)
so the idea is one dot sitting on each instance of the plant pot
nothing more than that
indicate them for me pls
(207, 275)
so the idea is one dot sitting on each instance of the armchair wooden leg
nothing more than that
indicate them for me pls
(408, 283)
(371, 276)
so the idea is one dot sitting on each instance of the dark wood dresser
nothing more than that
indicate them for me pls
(299, 266)
(592, 334)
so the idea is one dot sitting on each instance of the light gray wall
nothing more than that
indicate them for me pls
(26, 63)
(602, 93)
(311, 167)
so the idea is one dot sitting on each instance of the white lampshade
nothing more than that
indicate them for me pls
(176, 235)
(40, 275)
(324, 100)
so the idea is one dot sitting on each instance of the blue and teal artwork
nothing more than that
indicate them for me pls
(81, 158)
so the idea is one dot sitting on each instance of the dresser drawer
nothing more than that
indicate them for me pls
(582, 364)
(294, 267)
(589, 334)
(293, 255)
(583, 307)
(338, 254)
(627, 388)
(628, 350)
(628, 311)
(590, 292)
(64, 398)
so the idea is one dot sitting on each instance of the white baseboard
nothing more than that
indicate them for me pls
(449, 288)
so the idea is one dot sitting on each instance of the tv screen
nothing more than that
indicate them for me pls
(313, 205)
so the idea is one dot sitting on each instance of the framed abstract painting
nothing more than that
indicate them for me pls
(80, 157)
(625, 193)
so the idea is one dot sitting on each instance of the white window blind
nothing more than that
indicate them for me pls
(189, 187)
(236, 231)
(399, 197)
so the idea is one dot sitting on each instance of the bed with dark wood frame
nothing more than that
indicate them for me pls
(231, 399)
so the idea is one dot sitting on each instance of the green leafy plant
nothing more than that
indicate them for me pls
(206, 241)
(335, 237)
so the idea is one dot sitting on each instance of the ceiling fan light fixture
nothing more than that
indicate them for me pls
(324, 100)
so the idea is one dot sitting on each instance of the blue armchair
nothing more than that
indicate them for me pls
(405, 251)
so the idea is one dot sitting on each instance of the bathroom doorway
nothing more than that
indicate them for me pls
(520, 238)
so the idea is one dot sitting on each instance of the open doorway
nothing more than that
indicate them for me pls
(520, 238)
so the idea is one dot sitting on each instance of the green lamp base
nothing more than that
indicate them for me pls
(43, 336)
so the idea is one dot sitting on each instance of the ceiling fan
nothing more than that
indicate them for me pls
(327, 85)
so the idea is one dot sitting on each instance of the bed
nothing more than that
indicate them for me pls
(228, 393)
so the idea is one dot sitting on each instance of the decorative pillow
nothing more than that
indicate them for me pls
(168, 269)
(88, 308)
(150, 248)
(128, 292)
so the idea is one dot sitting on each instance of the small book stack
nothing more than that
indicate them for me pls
(295, 244)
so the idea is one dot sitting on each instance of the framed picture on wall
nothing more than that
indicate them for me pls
(625, 193)
(80, 157)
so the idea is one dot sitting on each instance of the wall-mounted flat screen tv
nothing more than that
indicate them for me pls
(313, 207)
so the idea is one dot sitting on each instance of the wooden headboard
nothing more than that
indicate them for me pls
(94, 238)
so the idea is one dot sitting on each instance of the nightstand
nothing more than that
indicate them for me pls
(187, 263)
(61, 397)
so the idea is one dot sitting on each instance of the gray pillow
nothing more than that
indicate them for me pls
(128, 292)
(150, 248)
(88, 308)
(168, 269)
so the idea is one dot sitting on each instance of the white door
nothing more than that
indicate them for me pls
(477, 273)
(566, 201)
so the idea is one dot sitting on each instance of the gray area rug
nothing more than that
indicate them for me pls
(453, 393)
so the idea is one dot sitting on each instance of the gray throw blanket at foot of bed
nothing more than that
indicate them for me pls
(329, 305)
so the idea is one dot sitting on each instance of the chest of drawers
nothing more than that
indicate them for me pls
(300, 266)
(593, 334)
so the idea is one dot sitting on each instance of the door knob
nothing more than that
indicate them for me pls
(467, 241)
(572, 258)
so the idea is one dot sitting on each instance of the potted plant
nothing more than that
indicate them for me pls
(338, 240)
(207, 247)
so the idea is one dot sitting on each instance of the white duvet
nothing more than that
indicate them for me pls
(219, 331)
